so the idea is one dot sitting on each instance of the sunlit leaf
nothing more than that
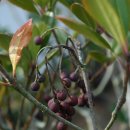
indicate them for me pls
(80, 12)
(105, 15)
(86, 31)
(20, 40)
(122, 8)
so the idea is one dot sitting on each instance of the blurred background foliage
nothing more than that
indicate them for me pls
(103, 44)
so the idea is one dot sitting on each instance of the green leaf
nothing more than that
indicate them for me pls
(128, 4)
(122, 8)
(80, 12)
(25, 4)
(105, 15)
(4, 41)
(98, 56)
(86, 31)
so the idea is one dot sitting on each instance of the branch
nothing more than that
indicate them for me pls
(121, 100)
(89, 95)
(27, 95)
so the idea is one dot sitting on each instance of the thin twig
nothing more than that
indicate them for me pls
(121, 100)
(89, 95)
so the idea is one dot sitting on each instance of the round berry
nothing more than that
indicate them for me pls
(46, 98)
(53, 105)
(81, 101)
(61, 126)
(35, 86)
(38, 40)
(65, 106)
(73, 100)
(71, 111)
(74, 76)
(61, 95)
(67, 82)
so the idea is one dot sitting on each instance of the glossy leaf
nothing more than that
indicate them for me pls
(4, 41)
(20, 40)
(128, 4)
(25, 4)
(80, 12)
(86, 31)
(122, 8)
(105, 15)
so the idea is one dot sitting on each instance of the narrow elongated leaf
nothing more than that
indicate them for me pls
(80, 12)
(20, 40)
(105, 15)
(128, 4)
(122, 8)
(25, 4)
(86, 31)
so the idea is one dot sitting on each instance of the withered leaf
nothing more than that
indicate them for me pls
(19, 40)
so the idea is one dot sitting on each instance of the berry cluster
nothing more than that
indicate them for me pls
(62, 103)
(63, 106)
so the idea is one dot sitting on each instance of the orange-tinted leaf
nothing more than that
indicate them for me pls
(20, 40)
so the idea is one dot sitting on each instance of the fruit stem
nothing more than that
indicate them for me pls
(88, 91)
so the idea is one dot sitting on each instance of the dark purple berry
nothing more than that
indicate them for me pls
(46, 98)
(71, 111)
(38, 40)
(63, 75)
(35, 86)
(53, 105)
(67, 82)
(73, 100)
(61, 95)
(74, 76)
(65, 106)
(81, 101)
(61, 126)
(41, 79)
